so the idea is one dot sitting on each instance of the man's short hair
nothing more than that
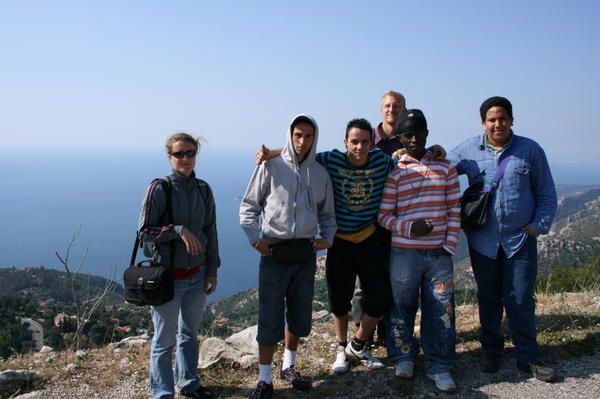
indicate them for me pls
(360, 123)
(397, 95)
(495, 101)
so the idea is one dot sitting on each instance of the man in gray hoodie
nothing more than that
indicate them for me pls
(287, 200)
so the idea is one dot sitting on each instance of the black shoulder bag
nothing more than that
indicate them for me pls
(152, 284)
(475, 201)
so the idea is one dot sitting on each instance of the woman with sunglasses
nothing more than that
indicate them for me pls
(189, 244)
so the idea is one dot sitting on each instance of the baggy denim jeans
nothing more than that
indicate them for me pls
(508, 283)
(177, 323)
(430, 272)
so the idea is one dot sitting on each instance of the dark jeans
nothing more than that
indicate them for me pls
(508, 283)
(285, 295)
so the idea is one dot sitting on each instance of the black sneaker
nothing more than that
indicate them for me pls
(200, 393)
(290, 374)
(538, 370)
(489, 362)
(262, 391)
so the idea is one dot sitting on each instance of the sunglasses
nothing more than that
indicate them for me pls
(181, 154)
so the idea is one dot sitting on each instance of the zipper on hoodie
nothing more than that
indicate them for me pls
(295, 206)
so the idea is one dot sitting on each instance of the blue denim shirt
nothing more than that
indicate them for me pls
(525, 194)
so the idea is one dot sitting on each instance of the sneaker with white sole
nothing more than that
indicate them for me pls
(443, 381)
(404, 370)
(340, 365)
(363, 356)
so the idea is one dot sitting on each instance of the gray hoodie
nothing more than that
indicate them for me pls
(292, 198)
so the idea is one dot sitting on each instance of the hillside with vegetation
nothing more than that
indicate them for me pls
(569, 265)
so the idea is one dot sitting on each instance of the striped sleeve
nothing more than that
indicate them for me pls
(387, 209)
(453, 208)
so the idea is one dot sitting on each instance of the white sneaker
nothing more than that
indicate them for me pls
(404, 370)
(340, 365)
(443, 381)
(364, 356)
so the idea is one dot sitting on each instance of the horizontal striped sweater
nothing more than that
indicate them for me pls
(356, 190)
(427, 189)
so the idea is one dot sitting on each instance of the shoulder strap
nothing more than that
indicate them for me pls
(506, 156)
(203, 187)
(165, 183)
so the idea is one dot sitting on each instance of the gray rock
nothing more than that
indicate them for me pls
(81, 353)
(14, 380)
(30, 395)
(248, 361)
(130, 342)
(8, 377)
(215, 350)
(46, 349)
(133, 343)
(245, 341)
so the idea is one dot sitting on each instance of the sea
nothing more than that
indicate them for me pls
(91, 200)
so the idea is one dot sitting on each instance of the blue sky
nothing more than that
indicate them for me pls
(121, 75)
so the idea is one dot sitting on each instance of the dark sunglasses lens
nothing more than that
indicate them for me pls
(181, 154)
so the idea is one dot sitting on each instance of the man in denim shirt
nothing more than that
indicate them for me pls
(504, 252)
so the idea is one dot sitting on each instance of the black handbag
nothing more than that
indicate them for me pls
(475, 201)
(292, 252)
(474, 205)
(148, 282)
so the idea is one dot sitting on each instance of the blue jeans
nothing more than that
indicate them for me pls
(177, 322)
(508, 283)
(431, 273)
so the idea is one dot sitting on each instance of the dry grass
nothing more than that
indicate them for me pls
(568, 324)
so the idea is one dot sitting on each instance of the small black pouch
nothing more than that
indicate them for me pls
(292, 252)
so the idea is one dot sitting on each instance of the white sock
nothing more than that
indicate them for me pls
(289, 359)
(264, 373)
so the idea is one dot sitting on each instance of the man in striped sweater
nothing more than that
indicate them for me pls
(420, 206)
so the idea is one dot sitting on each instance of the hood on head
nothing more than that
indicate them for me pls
(288, 153)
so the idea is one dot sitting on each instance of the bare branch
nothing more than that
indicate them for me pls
(84, 309)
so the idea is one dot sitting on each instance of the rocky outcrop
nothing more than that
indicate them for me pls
(129, 342)
(12, 381)
(239, 350)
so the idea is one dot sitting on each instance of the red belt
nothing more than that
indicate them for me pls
(182, 274)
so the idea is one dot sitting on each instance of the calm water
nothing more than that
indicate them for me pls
(46, 198)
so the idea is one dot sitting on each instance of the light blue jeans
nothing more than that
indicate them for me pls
(177, 323)
(431, 273)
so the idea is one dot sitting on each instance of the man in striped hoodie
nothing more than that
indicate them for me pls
(420, 206)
